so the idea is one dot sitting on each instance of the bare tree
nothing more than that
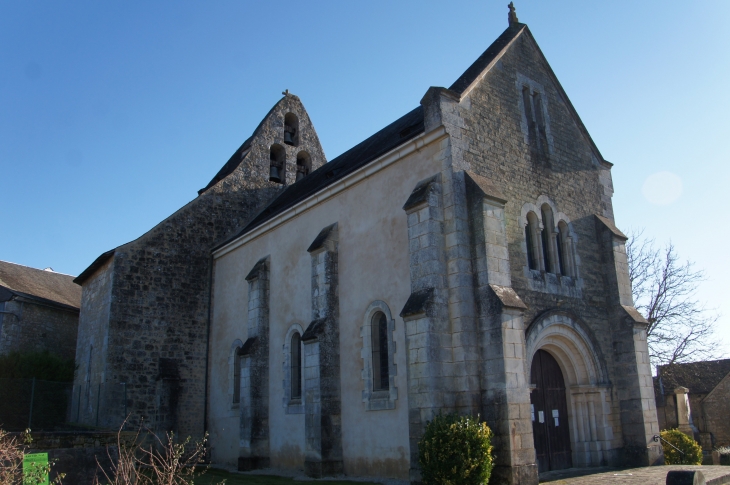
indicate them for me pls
(681, 328)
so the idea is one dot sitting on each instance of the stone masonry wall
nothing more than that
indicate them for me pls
(160, 293)
(493, 142)
(714, 412)
(34, 327)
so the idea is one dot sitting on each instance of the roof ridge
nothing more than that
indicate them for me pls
(38, 269)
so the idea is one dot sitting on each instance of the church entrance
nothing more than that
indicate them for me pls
(549, 414)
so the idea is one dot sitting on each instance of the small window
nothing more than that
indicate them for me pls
(291, 129)
(304, 165)
(296, 367)
(547, 239)
(237, 376)
(532, 241)
(534, 112)
(277, 164)
(379, 335)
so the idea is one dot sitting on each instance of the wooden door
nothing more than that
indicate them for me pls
(549, 414)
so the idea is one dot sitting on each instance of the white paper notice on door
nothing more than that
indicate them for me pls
(532, 412)
(555, 416)
(541, 416)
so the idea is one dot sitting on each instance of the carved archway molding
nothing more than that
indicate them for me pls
(574, 347)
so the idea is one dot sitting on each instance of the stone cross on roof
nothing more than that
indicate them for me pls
(512, 15)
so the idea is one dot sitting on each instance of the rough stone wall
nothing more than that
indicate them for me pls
(33, 327)
(492, 138)
(715, 413)
(160, 293)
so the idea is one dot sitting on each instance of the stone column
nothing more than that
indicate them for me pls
(681, 394)
(254, 433)
(321, 339)
(505, 393)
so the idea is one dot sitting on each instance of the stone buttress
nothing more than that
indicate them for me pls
(254, 446)
(634, 383)
(321, 339)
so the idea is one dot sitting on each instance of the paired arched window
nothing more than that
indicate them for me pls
(277, 163)
(291, 129)
(549, 245)
(379, 339)
(296, 366)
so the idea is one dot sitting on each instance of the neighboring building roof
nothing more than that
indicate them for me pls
(42, 285)
(390, 137)
(698, 377)
(98, 263)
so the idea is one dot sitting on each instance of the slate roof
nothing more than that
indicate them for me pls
(483, 61)
(698, 377)
(45, 286)
(390, 137)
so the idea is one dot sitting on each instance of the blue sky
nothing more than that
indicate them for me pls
(113, 114)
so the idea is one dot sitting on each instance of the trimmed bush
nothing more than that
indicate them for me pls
(455, 450)
(691, 451)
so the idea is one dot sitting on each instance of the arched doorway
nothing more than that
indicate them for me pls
(549, 414)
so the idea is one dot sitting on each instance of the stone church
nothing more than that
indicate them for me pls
(315, 315)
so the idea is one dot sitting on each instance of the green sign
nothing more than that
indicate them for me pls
(35, 466)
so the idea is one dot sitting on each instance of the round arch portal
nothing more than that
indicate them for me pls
(581, 364)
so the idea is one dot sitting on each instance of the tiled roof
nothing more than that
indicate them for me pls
(698, 377)
(38, 284)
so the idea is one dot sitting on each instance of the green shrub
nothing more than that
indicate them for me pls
(41, 365)
(455, 450)
(691, 451)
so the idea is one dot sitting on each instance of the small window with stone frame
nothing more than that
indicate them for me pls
(536, 125)
(548, 249)
(378, 354)
(237, 376)
(379, 337)
(533, 242)
(296, 367)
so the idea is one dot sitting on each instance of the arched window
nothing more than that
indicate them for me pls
(296, 366)
(379, 336)
(277, 164)
(291, 129)
(548, 240)
(565, 250)
(532, 239)
(304, 165)
(234, 361)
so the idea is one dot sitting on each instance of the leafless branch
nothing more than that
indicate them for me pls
(681, 328)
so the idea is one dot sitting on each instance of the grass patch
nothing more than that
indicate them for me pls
(215, 475)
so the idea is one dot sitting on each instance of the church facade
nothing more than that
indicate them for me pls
(463, 259)
(316, 316)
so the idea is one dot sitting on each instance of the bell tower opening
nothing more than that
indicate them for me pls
(277, 164)
(291, 129)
